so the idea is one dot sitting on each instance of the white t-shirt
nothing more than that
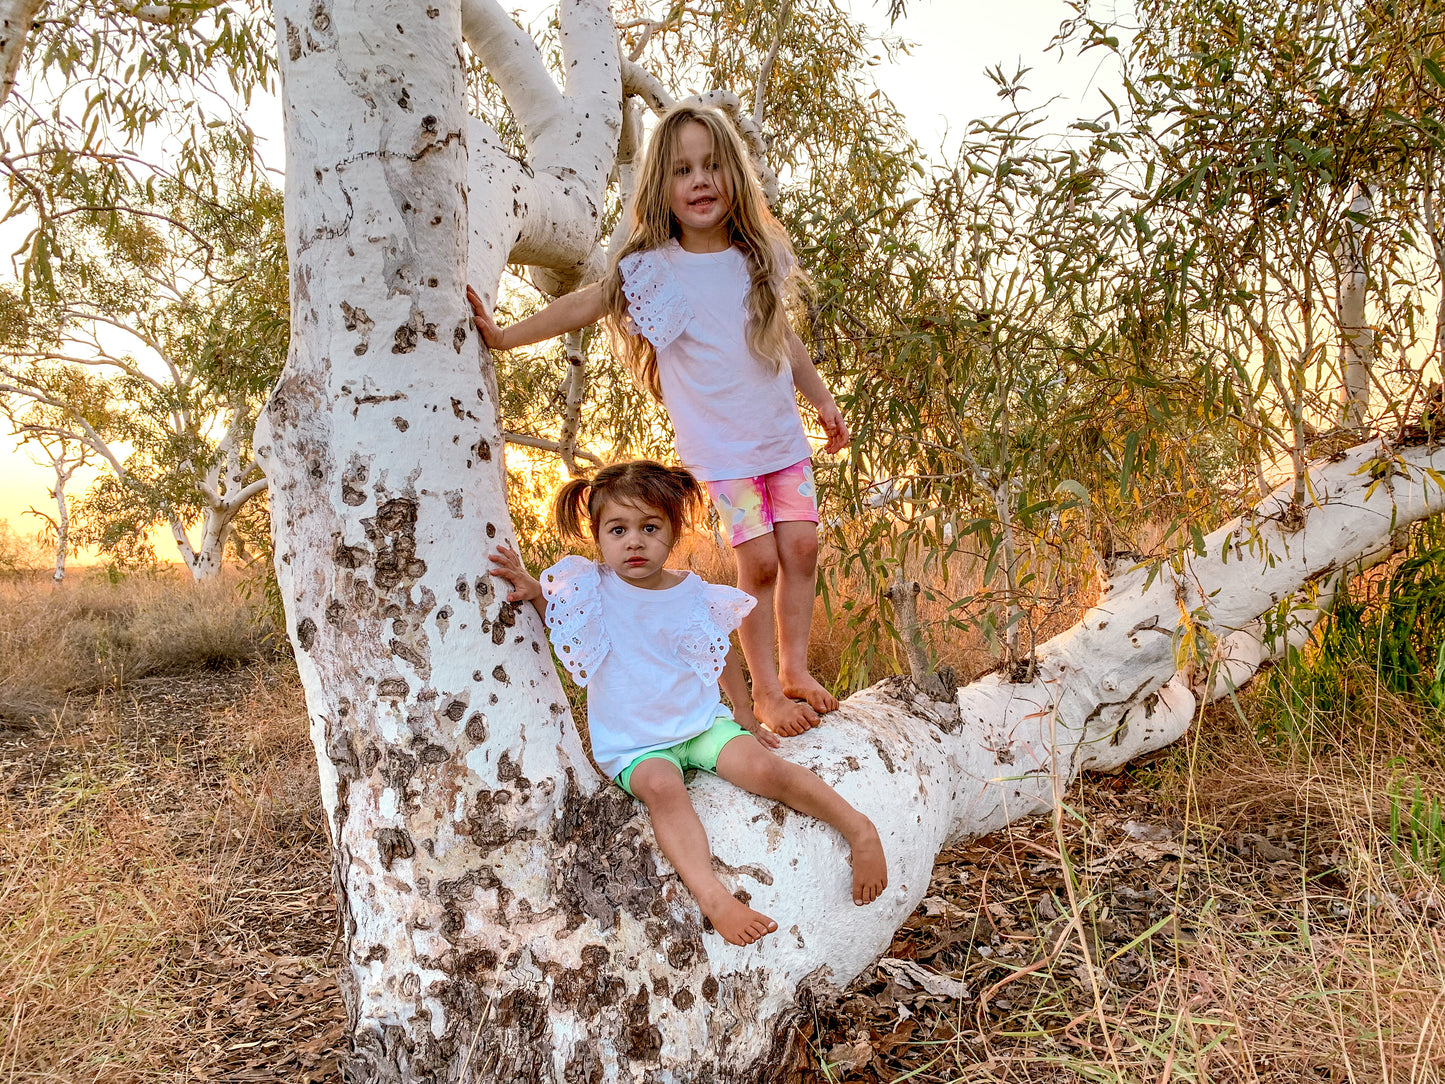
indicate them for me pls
(650, 660)
(733, 416)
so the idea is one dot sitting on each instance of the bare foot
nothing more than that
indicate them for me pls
(870, 865)
(738, 923)
(807, 688)
(783, 715)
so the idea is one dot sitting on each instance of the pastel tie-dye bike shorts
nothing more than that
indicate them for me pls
(748, 507)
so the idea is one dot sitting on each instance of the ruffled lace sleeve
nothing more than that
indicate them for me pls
(656, 306)
(704, 643)
(574, 615)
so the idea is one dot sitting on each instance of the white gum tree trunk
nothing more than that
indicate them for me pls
(505, 914)
(1357, 338)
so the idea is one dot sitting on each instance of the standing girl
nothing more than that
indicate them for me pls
(651, 646)
(695, 302)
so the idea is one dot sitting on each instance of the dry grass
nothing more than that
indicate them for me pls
(165, 891)
(1238, 910)
(59, 642)
(832, 646)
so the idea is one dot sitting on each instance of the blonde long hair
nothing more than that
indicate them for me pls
(773, 272)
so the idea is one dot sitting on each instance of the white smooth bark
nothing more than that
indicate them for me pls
(16, 19)
(1357, 338)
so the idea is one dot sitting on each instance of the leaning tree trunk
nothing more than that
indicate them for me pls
(504, 914)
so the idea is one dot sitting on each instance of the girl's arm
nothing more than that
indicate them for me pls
(807, 381)
(568, 313)
(508, 566)
(735, 688)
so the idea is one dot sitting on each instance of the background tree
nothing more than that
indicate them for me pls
(163, 335)
(51, 442)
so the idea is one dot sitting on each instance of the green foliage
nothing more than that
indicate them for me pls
(1385, 635)
(1417, 827)
(120, 100)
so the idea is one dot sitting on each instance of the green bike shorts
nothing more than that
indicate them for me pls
(699, 752)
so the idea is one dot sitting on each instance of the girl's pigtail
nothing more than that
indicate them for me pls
(692, 498)
(569, 508)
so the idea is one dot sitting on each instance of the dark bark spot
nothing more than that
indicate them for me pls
(641, 1041)
(486, 824)
(483, 451)
(409, 653)
(376, 952)
(883, 755)
(506, 618)
(392, 687)
(349, 556)
(431, 753)
(306, 633)
(428, 123)
(404, 341)
(609, 869)
(334, 611)
(455, 709)
(463, 591)
(352, 496)
(491, 530)
(683, 999)
(397, 515)
(506, 770)
(397, 769)
(401, 424)
(852, 763)
(500, 674)
(393, 844)
(477, 728)
(709, 990)
(681, 953)
(584, 1067)
(459, 338)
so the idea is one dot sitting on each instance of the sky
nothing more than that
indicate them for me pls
(939, 87)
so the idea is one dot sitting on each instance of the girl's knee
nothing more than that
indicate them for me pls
(799, 549)
(656, 781)
(757, 563)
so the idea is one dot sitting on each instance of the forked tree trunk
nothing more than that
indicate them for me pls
(504, 914)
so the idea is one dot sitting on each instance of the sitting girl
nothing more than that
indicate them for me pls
(651, 646)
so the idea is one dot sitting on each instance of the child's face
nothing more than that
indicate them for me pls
(635, 541)
(699, 193)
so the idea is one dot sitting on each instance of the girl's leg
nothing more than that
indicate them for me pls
(680, 834)
(758, 575)
(797, 544)
(745, 763)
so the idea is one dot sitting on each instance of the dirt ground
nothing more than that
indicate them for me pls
(1131, 937)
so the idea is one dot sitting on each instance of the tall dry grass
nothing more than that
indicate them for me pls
(1319, 956)
(68, 640)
